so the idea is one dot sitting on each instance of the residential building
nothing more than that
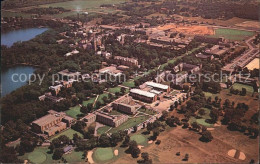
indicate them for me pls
(90, 118)
(126, 61)
(126, 105)
(109, 120)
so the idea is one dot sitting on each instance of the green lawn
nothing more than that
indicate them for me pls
(14, 14)
(69, 133)
(103, 154)
(239, 86)
(114, 90)
(79, 5)
(73, 111)
(103, 129)
(209, 94)
(201, 120)
(39, 155)
(129, 83)
(100, 97)
(139, 138)
(85, 103)
(74, 157)
(147, 111)
(129, 123)
(232, 34)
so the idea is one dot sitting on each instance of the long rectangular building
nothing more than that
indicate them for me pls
(109, 120)
(143, 95)
(158, 86)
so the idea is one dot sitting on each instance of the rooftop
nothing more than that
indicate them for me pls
(48, 118)
(157, 85)
(141, 92)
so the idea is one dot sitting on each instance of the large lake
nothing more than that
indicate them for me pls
(11, 37)
(14, 78)
(7, 83)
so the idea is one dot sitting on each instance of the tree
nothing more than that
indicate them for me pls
(98, 104)
(201, 112)
(84, 109)
(186, 158)
(122, 90)
(156, 133)
(126, 141)
(243, 92)
(133, 149)
(115, 138)
(206, 136)
(145, 159)
(104, 140)
(164, 115)
(57, 154)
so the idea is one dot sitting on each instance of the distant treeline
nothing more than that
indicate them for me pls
(10, 4)
(45, 11)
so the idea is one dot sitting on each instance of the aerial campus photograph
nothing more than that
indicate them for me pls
(129, 81)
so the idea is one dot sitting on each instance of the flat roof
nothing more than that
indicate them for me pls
(47, 119)
(143, 93)
(157, 85)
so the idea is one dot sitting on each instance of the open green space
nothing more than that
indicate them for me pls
(100, 97)
(239, 86)
(39, 155)
(14, 14)
(79, 5)
(203, 122)
(69, 133)
(73, 111)
(103, 154)
(203, 118)
(74, 157)
(85, 103)
(139, 138)
(129, 83)
(147, 111)
(114, 90)
(232, 34)
(103, 129)
(131, 122)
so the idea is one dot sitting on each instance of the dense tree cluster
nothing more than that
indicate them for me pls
(49, 10)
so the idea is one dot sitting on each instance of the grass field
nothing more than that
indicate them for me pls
(147, 111)
(39, 155)
(79, 5)
(232, 34)
(129, 83)
(69, 133)
(139, 138)
(85, 103)
(103, 129)
(14, 14)
(240, 86)
(114, 90)
(203, 118)
(74, 157)
(73, 111)
(101, 96)
(103, 154)
(129, 123)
